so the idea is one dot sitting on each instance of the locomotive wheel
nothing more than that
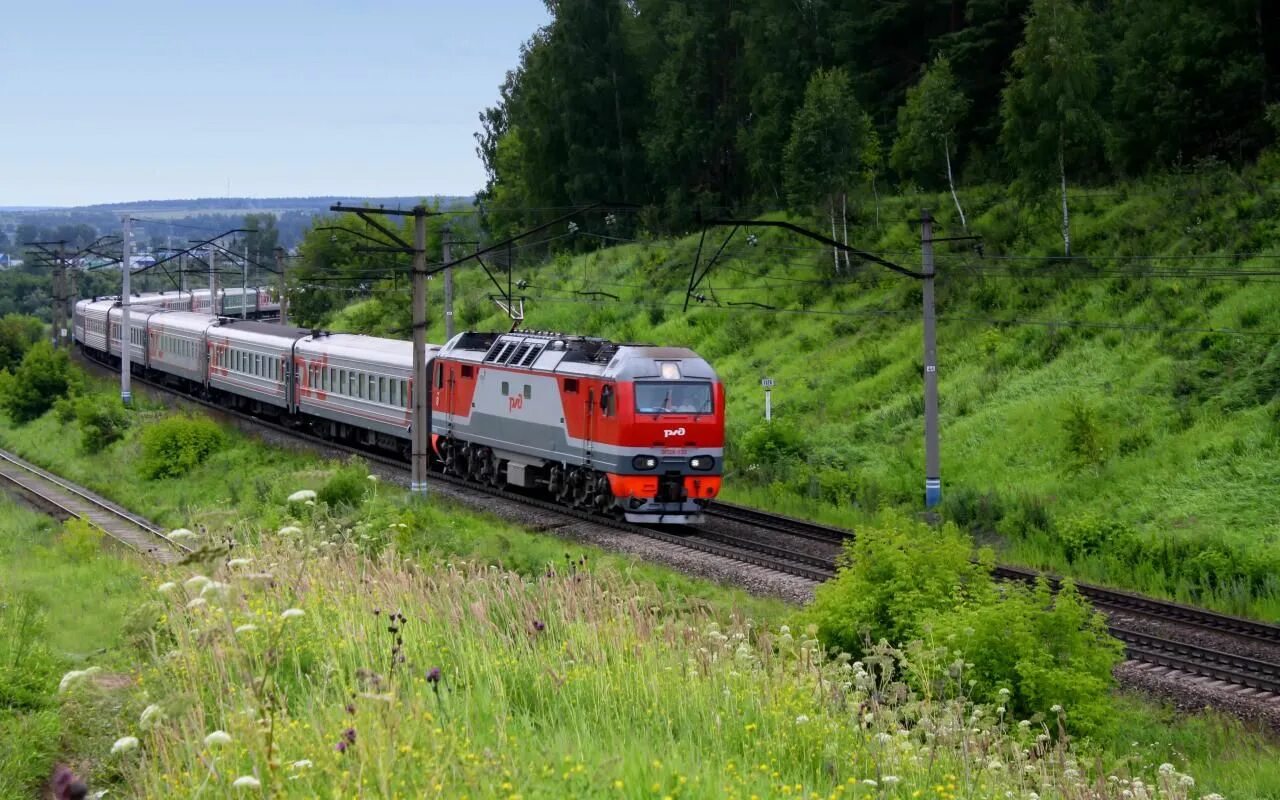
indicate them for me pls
(493, 471)
(604, 493)
(583, 488)
(561, 484)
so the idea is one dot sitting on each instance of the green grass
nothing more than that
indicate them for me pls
(63, 606)
(1185, 423)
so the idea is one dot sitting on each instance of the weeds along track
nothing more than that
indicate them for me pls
(1194, 645)
(65, 499)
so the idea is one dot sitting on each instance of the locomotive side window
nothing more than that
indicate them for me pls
(571, 385)
(382, 390)
(468, 371)
(505, 388)
(528, 392)
(606, 401)
(439, 377)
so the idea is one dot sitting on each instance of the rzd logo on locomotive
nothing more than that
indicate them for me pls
(669, 432)
(515, 403)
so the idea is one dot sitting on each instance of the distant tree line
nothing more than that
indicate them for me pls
(677, 105)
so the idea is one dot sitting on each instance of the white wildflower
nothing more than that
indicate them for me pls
(124, 744)
(1186, 781)
(247, 782)
(884, 738)
(802, 719)
(246, 628)
(151, 715)
(292, 612)
(1213, 796)
(302, 496)
(182, 535)
(75, 676)
(196, 603)
(373, 478)
(195, 583)
(785, 630)
(214, 590)
(1056, 708)
(291, 530)
(889, 780)
(869, 782)
(218, 738)
(239, 562)
(1165, 769)
(304, 763)
(168, 587)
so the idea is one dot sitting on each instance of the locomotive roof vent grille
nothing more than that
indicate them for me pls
(516, 356)
(532, 355)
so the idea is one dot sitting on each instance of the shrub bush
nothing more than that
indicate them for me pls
(347, 486)
(903, 581)
(175, 445)
(17, 334)
(45, 376)
(103, 421)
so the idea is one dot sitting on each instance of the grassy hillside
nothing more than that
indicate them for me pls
(1092, 418)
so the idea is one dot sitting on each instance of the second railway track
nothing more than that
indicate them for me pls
(70, 500)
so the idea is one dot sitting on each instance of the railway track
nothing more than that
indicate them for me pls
(1253, 674)
(68, 500)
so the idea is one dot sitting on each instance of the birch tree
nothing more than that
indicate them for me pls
(831, 137)
(1049, 120)
(927, 124)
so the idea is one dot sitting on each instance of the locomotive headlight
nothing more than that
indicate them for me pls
(644, 462)
(702, 462)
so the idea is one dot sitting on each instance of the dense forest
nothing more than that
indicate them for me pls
(679, 105)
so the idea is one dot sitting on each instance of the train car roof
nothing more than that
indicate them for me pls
(358, 346)
(234, 329)
(192, 321)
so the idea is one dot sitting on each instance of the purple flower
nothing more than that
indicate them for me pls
(350, 735)
(433, 675)
(341, 746)
(538, 625)
(351, 708)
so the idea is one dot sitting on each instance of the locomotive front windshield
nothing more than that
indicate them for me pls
(673, 398)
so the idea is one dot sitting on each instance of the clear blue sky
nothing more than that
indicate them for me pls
(158, 99)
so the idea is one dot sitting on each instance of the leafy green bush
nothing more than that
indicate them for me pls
(103, 421)
(79, 541)
(346, 487)
(175, 445)
(895, 573)
(17, 334)
(903, 581)
(769, 443)
(1043, 649)
(44, 376)
(1086, 446)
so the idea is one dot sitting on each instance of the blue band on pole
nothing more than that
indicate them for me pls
(932, 492)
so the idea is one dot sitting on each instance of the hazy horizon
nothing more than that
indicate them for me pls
(150, 100)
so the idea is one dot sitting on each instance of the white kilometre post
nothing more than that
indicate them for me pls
(126, 395)
(767, 383)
